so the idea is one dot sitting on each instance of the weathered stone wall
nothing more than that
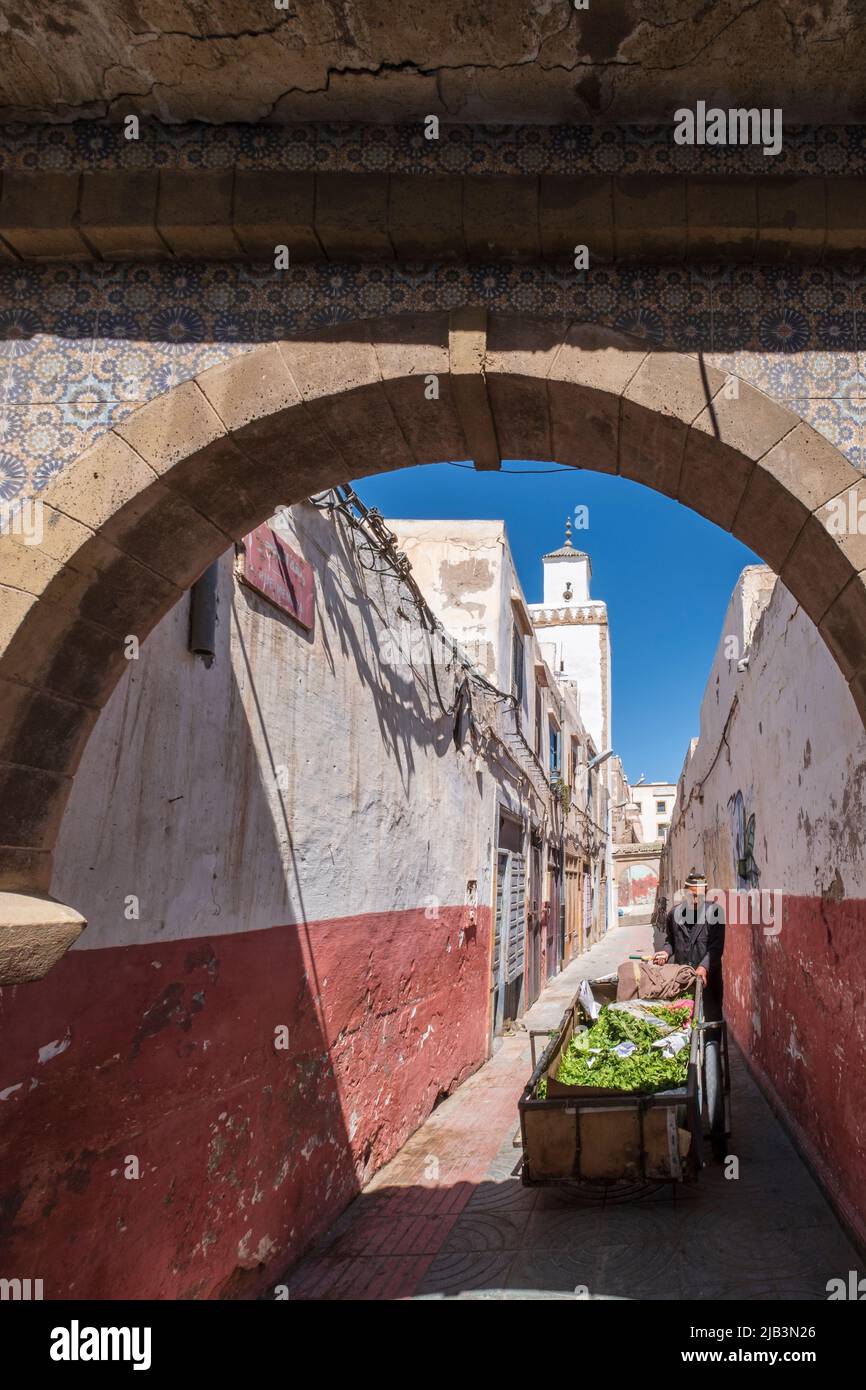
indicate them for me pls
(238, 60)
(771, 798)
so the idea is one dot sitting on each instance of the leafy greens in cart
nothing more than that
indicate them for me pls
(592, 1058)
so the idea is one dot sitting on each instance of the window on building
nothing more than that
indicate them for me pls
(539, 706)
(661, 807)
(662, 830)
(574, 761)
(555, 751)
(517, 664)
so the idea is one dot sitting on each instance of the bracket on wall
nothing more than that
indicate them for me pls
(467, 353)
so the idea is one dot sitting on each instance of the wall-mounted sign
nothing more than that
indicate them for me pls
(273, 569)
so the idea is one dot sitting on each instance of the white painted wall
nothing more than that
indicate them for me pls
(302, 777)
(469, 578)
(647, 795)
(560, 571)
(795, 747)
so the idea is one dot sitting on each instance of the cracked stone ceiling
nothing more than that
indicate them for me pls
(467, 60)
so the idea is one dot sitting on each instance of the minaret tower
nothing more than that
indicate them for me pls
(572, 628)
(567, 573)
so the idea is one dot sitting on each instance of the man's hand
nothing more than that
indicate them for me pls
(660, 957)
(701, 972)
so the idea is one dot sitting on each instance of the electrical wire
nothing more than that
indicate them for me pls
(526, 472)
(380, 542)
(378, 538)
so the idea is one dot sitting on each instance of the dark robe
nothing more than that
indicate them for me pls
(695, 935)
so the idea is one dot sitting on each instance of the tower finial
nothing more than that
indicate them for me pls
(568, 530)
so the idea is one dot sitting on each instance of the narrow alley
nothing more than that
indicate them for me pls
(449, 1218)
(432, 579)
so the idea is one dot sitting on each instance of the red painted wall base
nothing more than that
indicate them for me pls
(796, 1004)
(169, 1054)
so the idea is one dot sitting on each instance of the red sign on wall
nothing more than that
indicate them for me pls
(273, 569)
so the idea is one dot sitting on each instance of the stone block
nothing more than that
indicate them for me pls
(749, 421)
(38, 215)
(165, 431)
(651, 448)
(425, 217)
(722, 215)
(518, 357)
(649, 215)
(810, 467)
(44, 645)
(42, 730)
(584, 426)
(500, 217)
(194, 213)
(576, 210)
(713, 478)
(467, 347)
(769, 518)
(792, 218)
(412, 355)
(846, 219)
(275, 207)
(843, 627)
(31, 805)
(352, 217)
(817, 568)
(102, 480)
(118, 215)
(597, 357)
(24, 869)
(674, 384)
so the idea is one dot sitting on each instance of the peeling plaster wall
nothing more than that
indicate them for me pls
(462, 568)
(299, 829)
(785, 735)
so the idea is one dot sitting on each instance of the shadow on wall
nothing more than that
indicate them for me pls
(192, 1095)
(153, 1142)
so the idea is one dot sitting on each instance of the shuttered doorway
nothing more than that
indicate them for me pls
(509, 939)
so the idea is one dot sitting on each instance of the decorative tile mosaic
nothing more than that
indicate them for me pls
(558, 149)
(81, 347)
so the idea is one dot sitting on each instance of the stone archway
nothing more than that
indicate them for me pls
(139, 516)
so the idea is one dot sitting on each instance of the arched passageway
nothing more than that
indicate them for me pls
(142, 513)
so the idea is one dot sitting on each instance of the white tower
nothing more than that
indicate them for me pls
(573, 631)
(567, 573)
(574, 625)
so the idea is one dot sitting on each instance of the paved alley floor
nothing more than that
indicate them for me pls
(448, 1217)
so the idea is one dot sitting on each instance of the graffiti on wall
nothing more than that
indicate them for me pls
(743, 834)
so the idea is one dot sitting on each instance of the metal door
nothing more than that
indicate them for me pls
(572, 909)
(497, 971)
(552, 942)
(515, 955)
(533, 981)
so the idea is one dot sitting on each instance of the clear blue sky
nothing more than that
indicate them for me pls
(664, 572)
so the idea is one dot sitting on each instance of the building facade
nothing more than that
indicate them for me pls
(655, 802)
(776, 825)
(562, 823)
(321, 868)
